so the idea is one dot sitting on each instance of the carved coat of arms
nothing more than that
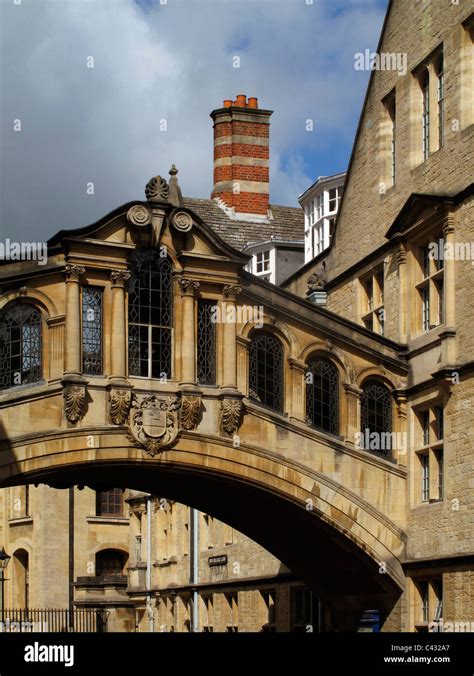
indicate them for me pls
(154, 422)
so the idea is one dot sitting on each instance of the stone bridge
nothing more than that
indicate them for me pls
(243, 446)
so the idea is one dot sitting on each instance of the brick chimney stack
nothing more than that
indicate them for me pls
(241, 157)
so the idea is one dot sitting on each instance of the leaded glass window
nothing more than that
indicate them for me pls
(322, 395)
(376, 413)
(91, 330)
(206, 342)
(266, 370)
(20, 346)
(150, 315)
(425, 88)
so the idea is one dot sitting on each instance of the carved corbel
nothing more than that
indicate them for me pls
(120, 402)
(232, 409)
(74, 394)
(190, 409)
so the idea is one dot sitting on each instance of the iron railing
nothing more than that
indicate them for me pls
(79, 620)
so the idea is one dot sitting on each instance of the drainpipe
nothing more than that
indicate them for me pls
(71, 555)
(149, 607)
(194, 547)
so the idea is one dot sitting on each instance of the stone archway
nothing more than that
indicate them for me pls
(344, 548)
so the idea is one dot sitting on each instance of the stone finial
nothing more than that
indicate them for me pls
(157, 190)
(175, 196)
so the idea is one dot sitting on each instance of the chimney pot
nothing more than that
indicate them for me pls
(241, 101)
(252, 102)
(227, 103)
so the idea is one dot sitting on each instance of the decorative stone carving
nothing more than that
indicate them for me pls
(401, 254)
(317, 281)
(188, 286)
(120, 277)
(231, 414)
(231, 290)
(74, 400)
(153, 422)
(120, 402)
(190, 408)
(182, 221)
(139, 215)
(73, 272)
(157, 190)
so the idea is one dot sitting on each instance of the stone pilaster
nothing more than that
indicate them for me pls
(297, 385)
(229, 379)
(188, 338)
(119, 278)
(353, 393)
(402, 297)
(72, 342)
(449, 339)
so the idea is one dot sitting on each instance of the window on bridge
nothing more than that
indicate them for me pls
(266, 370)
(322, 395)
(206, 342)
(91, 330)
(376, 417)
(150, 315)
(20, 345)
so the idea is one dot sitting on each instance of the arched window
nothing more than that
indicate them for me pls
(322, 395)
(376, 416)
(21, 580)
(150, 315)
(110, 562)
(266, 370)
(20, 346)
(425, 119)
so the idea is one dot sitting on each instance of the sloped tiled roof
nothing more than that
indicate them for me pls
(287, 223)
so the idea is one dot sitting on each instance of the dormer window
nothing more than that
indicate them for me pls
(262, 262)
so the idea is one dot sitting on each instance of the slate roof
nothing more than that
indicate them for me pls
(287, 223)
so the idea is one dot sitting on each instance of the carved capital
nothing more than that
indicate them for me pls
(352, 389)
(190, 408)
(139, 215)
(74, 401)
(231, 414)
(188, 286)
(120, 402)
(73, 272)
(231, 291)
(120, 277)
(401, 401)
(297, 366)
(448, 225)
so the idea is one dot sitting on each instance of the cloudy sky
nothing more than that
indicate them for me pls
(170, 60)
